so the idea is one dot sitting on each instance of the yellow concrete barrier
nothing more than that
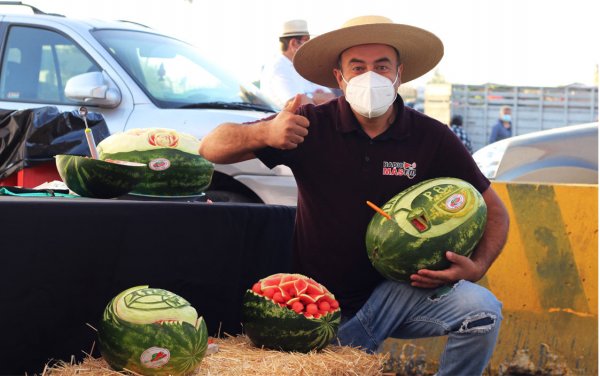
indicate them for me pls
(547, 280)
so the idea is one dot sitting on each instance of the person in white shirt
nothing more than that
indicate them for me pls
(279, 80)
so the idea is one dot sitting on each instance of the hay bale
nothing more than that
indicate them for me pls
(237, 356)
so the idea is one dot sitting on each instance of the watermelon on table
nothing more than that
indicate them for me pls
(428, 219)
(99, 179)
(174, 166)
(290, 312)
(152, 332)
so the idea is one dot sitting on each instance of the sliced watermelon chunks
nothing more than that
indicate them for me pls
(290, 312)
(298, 293)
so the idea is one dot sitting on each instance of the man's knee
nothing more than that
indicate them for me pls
(479, 323)
(485, 312)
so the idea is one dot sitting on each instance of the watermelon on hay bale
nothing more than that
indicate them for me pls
(238, 356)
(290, 312)
(153, 332)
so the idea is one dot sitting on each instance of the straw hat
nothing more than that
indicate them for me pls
(294, 28)
(420, 50)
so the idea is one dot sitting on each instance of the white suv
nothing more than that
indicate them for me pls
(136, 78)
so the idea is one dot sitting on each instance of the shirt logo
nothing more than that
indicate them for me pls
(400, 169)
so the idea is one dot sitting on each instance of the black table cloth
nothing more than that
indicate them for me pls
(63, 259)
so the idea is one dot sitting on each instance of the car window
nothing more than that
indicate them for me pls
(172, 73)
(37, 63)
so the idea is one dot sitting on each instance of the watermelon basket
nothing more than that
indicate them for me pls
(290, 312)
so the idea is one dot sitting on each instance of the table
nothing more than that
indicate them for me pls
(63, 259)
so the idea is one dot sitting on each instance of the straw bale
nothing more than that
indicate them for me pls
(238, 357)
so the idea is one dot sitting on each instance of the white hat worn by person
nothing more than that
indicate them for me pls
(420, 50)
(294, 28)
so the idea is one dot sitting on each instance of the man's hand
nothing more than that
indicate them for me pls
(287, 129)
(461, 267)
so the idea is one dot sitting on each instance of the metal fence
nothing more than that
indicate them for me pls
(533, 108)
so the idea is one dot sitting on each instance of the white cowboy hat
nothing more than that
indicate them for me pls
(294, 28)
(420, 50)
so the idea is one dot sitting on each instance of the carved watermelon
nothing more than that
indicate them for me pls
(428, 219)
(290, 312)
(99, 179)
(174, 166)
(152, 332)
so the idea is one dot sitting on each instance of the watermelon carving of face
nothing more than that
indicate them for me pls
(428, 219)
(152, 332)
(290, 312)
(174, 166)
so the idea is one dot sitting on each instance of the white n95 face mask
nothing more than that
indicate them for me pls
(370, 94)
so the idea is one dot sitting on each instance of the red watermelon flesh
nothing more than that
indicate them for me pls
(298, 293)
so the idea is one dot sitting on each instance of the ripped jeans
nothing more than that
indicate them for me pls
(467, 313)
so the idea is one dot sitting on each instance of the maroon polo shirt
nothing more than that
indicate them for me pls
(338, 168)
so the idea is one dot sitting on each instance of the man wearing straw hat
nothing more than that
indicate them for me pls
(280, 81)
(338, 152)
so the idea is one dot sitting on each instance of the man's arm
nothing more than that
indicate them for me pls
(231, 143)
(488, 249)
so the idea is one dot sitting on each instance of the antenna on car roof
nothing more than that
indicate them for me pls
(135, 23)
(33, 9)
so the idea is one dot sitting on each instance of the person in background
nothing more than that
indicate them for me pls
(456, 124)
(279, 80)
(338, 152)
(503, 127)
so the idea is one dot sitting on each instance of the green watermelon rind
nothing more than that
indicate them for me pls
(397, 253)
(122, 343)
(274, 327)
(187, 175)
(97, 178)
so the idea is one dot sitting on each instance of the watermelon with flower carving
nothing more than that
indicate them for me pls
(174, 166)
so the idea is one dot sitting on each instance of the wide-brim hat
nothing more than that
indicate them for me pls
(420, 50)
(294, 28)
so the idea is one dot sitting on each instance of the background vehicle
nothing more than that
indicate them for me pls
(136, 78)
(562, 155)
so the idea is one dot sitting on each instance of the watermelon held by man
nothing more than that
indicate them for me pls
(174, 166)
(290, 312)
(426, 220)
(152, 332)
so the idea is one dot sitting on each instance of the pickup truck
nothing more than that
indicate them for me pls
(134, 77)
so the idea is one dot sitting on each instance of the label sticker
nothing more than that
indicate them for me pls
(455, 202)
(155, 357)
(159, 164)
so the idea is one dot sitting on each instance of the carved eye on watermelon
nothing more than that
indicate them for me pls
(290, 312)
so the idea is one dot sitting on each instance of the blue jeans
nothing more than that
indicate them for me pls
(467, 313)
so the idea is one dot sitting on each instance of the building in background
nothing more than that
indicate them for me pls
(534, 108)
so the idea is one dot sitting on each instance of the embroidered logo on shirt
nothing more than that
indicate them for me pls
(400, 169)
